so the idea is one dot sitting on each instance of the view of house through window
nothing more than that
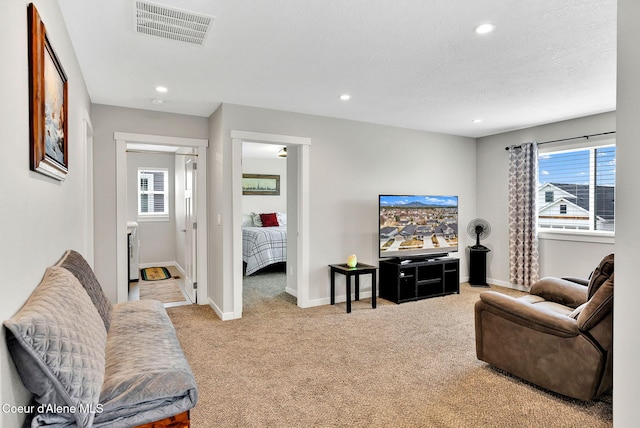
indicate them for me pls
(576, 189)
(153, 199)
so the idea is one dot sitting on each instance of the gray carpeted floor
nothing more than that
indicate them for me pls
(408, 365)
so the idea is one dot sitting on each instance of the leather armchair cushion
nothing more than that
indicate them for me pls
(580, 281)
(598, 307)
(562, 291)
(543, 316)
(600, 275)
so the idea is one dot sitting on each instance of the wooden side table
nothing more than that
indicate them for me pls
(360, 269)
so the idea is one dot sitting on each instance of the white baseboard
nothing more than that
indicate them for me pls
(339, 299)
(157, 264)
(317, 302)
(224, 316)
(291, 291)
(499, 283)
(181, 269)
(507, 284)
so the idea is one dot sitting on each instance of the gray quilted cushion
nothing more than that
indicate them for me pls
(57, 341)
(78, 266)
(147, 377)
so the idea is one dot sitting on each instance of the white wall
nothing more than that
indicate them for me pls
(219, 208)
(351, 163)
(41, 217)
(266, 203)
(557, 258)
(107, 120)
(157, 237)
(626, 372)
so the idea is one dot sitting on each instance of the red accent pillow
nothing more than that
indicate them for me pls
(269, 220)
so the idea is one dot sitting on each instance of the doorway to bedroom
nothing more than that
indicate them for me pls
(264, 227)
(297, 214)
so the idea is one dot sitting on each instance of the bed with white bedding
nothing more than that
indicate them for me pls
(263, 246)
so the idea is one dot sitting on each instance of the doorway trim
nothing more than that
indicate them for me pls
(200, 146)
(88, 180)
(297, 275)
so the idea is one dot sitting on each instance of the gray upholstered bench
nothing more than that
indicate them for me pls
(89, 363)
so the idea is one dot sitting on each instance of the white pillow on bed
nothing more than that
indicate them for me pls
(247, 220)
(257, 221)
(282, 219)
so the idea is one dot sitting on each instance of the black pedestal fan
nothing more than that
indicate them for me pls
(478, 228)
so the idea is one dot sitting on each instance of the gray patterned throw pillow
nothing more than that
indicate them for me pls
(57, 341)
(78, 266)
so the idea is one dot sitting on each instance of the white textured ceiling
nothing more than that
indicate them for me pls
(409, 63)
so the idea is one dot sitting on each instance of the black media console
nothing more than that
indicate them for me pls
(409, 280)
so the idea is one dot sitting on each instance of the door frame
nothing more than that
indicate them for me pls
(88, 180)
(200, 147)
(297, 226)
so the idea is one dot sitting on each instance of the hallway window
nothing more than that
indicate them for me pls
(153, 192)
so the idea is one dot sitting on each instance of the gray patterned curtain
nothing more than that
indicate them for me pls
(523, 212)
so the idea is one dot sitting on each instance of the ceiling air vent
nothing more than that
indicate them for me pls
(170, 23)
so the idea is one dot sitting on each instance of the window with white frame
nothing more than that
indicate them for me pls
(576, 188)
(153, 192)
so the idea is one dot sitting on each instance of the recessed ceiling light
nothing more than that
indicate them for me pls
(161, 89)
(477, 120)
(345, 97)
(484, 28)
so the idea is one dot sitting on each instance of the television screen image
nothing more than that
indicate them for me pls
(418, 226)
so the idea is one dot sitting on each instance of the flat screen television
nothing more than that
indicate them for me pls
(418, 226)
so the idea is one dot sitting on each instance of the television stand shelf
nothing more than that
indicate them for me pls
(418, 279)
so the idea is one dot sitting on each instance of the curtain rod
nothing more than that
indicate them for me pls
(150, 152)
(567, 139)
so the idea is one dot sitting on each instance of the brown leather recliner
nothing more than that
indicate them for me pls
(559, 337)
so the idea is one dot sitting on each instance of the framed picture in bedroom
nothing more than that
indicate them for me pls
(48, 137)
(260, 184)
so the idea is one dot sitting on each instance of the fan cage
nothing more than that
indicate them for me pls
(473, 231)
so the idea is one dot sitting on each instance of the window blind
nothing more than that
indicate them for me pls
(152, 191)
(577, 189)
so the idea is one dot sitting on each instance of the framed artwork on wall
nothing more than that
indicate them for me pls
(260, 184)
(48, 145)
